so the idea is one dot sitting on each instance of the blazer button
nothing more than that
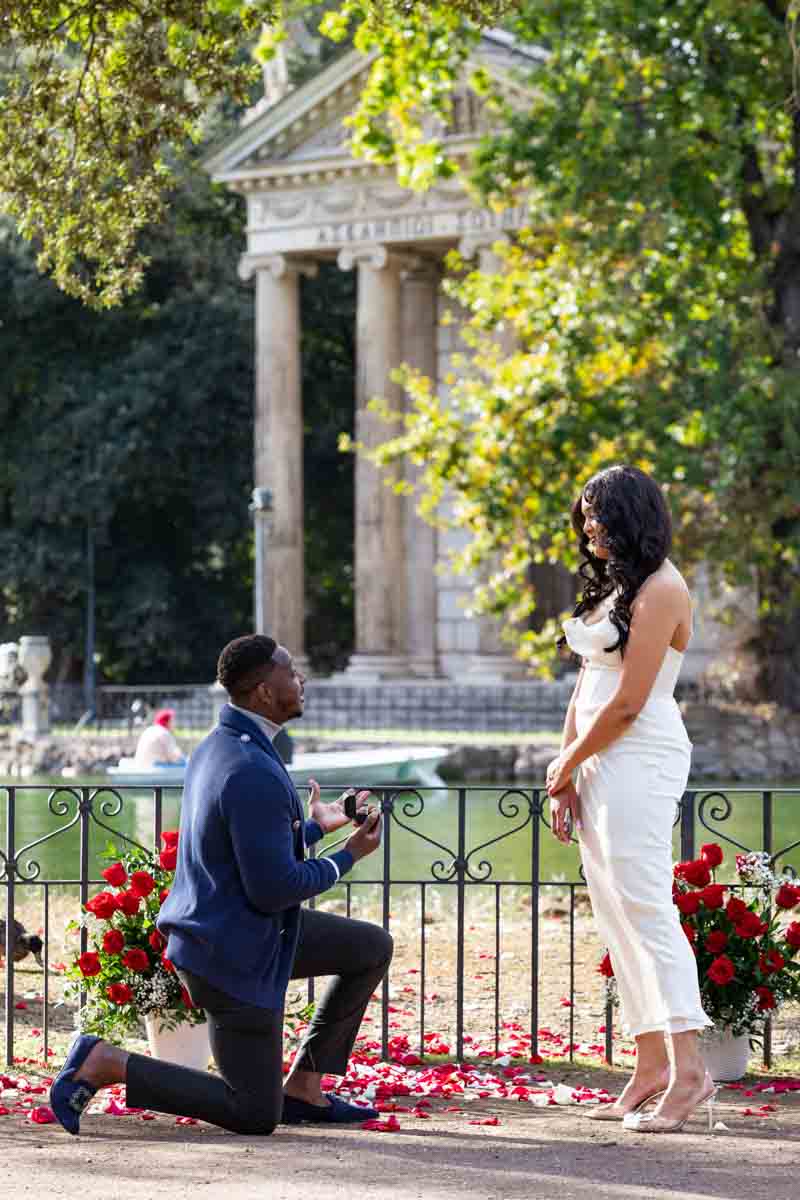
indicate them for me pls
(245, 737)
(295, 824)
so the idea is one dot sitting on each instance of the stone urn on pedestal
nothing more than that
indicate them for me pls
(35, 657)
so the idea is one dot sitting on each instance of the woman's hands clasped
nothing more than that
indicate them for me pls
(565, 803)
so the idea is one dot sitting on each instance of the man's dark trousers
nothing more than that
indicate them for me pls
(247, 1042)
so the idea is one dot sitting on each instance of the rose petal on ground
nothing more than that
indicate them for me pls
(486, 1121)
(390, 1125)
(43, 1115)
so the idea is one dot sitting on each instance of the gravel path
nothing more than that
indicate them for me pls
(554, 1153)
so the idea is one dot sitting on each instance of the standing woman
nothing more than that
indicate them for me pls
(626, 744)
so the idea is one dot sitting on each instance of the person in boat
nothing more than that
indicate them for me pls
(237, 932)
(157, 745)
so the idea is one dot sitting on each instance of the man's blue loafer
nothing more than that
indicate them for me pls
(336, 1112)
(68, 1099)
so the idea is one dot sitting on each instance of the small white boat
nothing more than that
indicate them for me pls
(365, 768)
(127, 771)
(348, 768)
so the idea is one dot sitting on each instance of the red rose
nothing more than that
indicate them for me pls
(170, 839)
(162, 895)
(142, 883)
(721, 970)
(787, 896)
(115, 874)
(771, 962)
(103, 905)
(89, 964)
(688, 903)
(716, 941)
(186, 998)
(696, 872)
(113, 941)
(136, 960)
(691, 933)
(168, 966)
(766, 999)
(713, 896)
(749, 924)
(128, 903)
(792, 935)
(605, 967)
(711, 854)
(168, 858)
(157, 941)
(120, 993)
(736, 908)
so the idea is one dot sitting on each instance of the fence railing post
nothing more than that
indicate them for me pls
(687, 825)
(766, 842)
(386, 805)
(460, 897)
(536, 846)
(10, 869)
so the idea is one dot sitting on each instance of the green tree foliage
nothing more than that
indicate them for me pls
(93, 92)
(652, 303)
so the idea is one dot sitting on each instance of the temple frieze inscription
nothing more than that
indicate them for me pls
(327, 221)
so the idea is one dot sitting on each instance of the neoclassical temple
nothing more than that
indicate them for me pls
(309, 201)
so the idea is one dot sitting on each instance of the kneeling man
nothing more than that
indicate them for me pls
(236, 931)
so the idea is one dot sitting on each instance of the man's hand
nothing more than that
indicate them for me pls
(565, 813)
(367, 837)
(330, 816)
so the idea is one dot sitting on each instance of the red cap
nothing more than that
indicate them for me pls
(164, 717)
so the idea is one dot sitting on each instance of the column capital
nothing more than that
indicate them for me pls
(278, 266)
(376, 256)
(472, 243)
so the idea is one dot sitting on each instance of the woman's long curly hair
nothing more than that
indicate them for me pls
(637, 533)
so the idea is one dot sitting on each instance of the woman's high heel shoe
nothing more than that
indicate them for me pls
(652, 1123)
(605, 1111)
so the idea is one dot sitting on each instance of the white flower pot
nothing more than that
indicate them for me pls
(726, 1055)
(186, 1044)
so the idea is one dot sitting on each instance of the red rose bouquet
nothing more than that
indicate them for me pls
(125, 971)
(746, 942)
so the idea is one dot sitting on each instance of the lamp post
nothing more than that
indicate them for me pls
(261, 508)
(89, 676)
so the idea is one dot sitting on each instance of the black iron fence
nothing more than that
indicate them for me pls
(456, 842)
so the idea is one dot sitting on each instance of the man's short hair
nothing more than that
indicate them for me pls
(245, 662)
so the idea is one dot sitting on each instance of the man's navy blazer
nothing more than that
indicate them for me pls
(233, 914)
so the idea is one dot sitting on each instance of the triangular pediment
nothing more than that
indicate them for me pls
(307, 125)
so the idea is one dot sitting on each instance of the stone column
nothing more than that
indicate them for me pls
(418, 332)
(279, 442)
(380, 558)
(493, 663)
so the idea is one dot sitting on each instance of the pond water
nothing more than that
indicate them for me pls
(47, 814)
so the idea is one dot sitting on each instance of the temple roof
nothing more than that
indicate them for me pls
(304, 130)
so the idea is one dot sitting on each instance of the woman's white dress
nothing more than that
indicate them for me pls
(629, 793)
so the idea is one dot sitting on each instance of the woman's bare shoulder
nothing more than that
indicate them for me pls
(664, 586)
